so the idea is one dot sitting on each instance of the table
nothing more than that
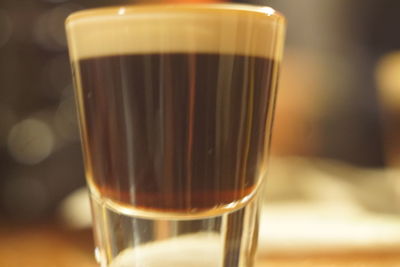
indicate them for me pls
(51, 245)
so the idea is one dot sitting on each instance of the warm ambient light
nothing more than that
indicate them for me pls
(193, 1)
(388, 79)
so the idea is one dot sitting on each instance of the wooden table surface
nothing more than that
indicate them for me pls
(47, 245)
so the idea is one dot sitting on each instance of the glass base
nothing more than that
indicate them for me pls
(226, 240)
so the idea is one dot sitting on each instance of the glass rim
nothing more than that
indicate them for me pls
(132, 9)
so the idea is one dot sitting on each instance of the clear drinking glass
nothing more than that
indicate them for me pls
(176, 107)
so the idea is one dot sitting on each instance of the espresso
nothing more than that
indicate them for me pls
(179, 132)
(175, 103)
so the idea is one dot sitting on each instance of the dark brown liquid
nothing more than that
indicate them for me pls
(176, 132)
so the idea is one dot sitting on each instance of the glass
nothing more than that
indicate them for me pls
(176, 105)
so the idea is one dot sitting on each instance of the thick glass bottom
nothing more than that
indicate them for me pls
(224, 240)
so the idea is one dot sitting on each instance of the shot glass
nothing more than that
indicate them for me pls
(176, 106)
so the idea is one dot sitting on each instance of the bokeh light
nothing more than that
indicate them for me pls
(74, 211)
(388, 79)
(49, 31)
(30, 141)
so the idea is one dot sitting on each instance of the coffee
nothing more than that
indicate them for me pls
(176, 115)
(176, 131)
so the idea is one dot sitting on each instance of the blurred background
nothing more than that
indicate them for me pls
(336, 144)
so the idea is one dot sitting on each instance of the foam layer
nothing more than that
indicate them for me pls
(202, 28)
